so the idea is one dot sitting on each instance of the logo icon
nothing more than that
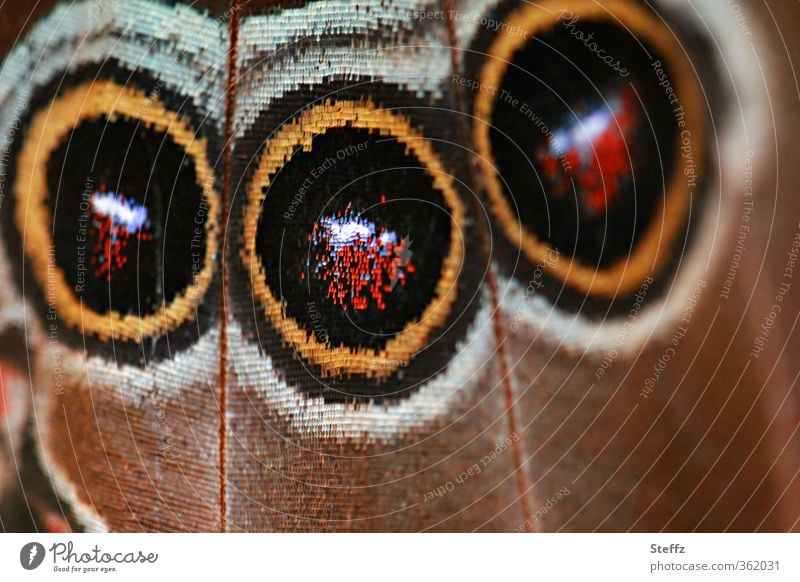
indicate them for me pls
(31, 555)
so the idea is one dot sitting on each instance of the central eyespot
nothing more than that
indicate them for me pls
(344, 249)
(353, 239)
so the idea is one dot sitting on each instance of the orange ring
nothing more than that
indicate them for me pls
(49, 127)
(626, 274)
(335, 360)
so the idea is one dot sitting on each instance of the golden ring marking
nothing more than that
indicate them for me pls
(48, 129)
(626, 274)
(334, 360)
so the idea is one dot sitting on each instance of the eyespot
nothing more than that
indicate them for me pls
(354, 241)
(591, 142)
(115, 197)
(416, 102)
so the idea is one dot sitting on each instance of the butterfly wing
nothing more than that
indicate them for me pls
(304, 283)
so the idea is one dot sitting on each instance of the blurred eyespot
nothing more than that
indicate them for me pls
(114, 198)
(354, 243)
(591, 142)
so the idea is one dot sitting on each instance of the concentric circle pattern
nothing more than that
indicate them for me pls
(104, 230)
(342, 199)
(583, 126)
(399, 266)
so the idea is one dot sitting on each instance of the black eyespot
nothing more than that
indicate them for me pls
(120, 212)
(354, 246)
(356, 268)
(582, 123)
(117, 203)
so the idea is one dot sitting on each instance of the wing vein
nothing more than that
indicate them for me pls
(227, 161)
(520, 473)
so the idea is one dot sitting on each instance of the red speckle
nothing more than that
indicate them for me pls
(360, 262)
(597, 161)
(109, 253)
